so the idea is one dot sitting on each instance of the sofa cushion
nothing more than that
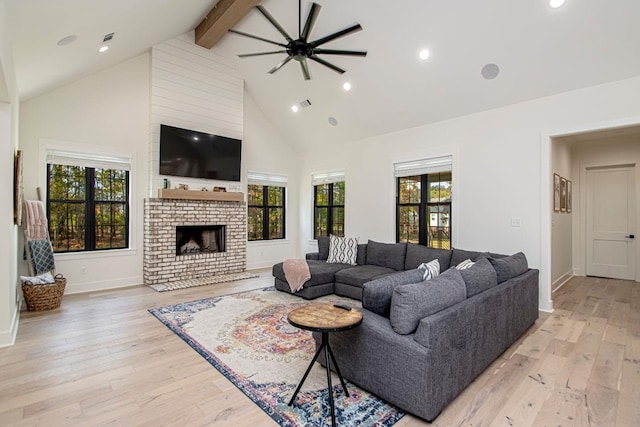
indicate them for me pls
(411, 303)
(321, 272)
(361, 259)
(357, 276)
(343, 250)
(376, 294)
(509, 267)
(459, 255)
(418, 254)
(323, 247)
(479, 277)
(390, 255)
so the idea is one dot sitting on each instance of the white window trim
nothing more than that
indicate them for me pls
(46, 146)
(423, 166)
(331, 177)
(267, 179)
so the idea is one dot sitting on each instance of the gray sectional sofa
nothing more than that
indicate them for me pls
(421, 343)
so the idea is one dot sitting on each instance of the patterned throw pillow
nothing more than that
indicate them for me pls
(343, 250)
(467, 263)
(430, 269)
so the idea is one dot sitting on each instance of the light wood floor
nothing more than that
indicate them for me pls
(101, 359)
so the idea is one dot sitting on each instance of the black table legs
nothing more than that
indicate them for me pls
(327, 353)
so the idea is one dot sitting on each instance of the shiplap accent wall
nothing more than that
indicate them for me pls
(192, 88)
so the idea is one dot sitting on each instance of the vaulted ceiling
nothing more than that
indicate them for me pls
(540, 51)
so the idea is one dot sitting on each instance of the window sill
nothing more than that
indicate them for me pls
(251, 243)
(96, 254)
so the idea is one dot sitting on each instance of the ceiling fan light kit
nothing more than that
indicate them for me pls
(301, 48)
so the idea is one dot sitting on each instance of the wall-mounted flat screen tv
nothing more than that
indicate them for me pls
(192, 154)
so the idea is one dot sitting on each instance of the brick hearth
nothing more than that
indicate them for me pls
(161, 216)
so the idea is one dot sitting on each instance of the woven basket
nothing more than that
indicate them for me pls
(44, 297)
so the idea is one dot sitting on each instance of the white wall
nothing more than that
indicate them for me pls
(106, 112)
(561, 222)
(197, 89)
(620, 150)
(501, 171)
(9, 112)
(266, 151)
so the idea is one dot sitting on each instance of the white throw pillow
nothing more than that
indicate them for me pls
(430, 269)
(42, 279)
(467, 263)
(343, 250)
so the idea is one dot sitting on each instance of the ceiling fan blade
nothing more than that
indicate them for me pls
(305, 69)
(257, 38)
(247, 55)
(327, 64)
(280, 65)
(274, 23)
(340, 52)
(311, 20)
(334, 36)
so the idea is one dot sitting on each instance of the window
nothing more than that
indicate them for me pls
(266, 213)
(87, 202)
(423, 202)
(328, 208)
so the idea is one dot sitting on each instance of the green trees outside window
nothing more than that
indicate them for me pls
(87, 208)
(265, 215)
(328, 209)
(423, 210)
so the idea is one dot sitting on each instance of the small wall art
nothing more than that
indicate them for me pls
(556, 192)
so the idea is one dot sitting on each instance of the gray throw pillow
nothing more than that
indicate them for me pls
(376, 294)
(362, 254)
(390, 255)
(509, 267)
(459, 255)
(323, 247)
(479, 277)
(418, 254)
(413, 302)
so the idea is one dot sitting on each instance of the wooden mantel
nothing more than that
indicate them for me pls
(220, 196)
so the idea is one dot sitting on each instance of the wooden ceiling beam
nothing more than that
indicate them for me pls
(224, 16)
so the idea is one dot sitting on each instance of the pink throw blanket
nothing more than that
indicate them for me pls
(35, 226)
(296, 271)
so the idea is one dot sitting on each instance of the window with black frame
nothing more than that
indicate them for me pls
(328, 209)
(87, 208)
(423, 209)
(266, 212)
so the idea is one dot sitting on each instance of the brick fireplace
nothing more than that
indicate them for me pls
(190, 239)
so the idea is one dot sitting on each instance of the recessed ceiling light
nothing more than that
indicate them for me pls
(556, 3)
(294, 108)
(67, 40)
(346, 86)
(195, 138)
(424, 54)
(103, 49)
(332, 121)
(490, 71)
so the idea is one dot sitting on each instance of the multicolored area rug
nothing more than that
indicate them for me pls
(247, 338)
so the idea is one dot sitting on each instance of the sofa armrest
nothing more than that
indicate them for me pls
(313, 255)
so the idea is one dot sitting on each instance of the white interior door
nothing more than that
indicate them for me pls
(610, 222)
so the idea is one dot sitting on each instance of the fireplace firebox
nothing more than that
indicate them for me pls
(200, 239)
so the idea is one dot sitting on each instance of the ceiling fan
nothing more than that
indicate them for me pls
(301, 48)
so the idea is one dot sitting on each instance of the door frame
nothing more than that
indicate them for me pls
(546, 196)
(582, 212)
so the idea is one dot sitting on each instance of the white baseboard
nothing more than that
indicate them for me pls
(103, 285)
(8, 338)
(262, 264)
(561, 281)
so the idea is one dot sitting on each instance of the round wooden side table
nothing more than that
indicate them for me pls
(324, 318)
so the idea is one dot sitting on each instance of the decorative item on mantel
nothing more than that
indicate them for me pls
(220, 189)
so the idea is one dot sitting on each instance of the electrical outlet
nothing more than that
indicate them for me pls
(516, 222)
(83, 270)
